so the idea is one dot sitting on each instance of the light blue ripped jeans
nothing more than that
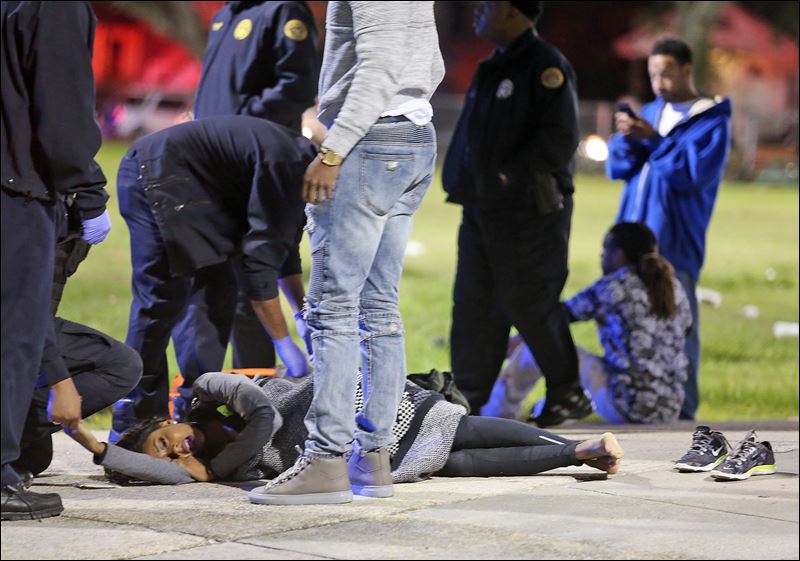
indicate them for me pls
(358, 240)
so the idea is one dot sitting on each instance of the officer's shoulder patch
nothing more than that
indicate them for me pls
(552, 78)
(243, 29)
(296, 30)
(217, 25)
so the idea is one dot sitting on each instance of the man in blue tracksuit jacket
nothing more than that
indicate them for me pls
(672, 158)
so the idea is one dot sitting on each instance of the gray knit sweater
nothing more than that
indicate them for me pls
(378, 55)
(424, 429)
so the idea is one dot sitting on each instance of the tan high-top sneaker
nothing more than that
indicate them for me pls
(371, 474)
(309, 481)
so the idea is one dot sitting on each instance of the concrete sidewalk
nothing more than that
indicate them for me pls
(648, 511)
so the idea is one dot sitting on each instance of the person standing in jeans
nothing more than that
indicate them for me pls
(381, 65)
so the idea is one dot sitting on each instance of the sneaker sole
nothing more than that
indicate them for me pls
(376, 491)
(758, 470)
(36, 515)
(337, 497)
(689, 468)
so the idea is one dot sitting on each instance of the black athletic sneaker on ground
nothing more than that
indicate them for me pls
(575, 404)
(709, 448)
(750, 457)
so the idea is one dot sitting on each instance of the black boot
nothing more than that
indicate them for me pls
(574, 404)
(21, 504)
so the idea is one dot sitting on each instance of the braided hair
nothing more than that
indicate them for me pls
(639, 245)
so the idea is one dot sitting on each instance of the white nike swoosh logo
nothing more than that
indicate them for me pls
(717, 451)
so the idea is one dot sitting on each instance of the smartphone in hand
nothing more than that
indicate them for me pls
(626, 108)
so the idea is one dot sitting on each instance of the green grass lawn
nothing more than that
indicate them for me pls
(752, 259)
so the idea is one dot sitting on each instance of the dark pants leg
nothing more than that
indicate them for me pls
(692, 387)
(479, 330)
(201, 337)
(159, 298)
(252, 346)
(529, 259)
(28, 246)
(514, 261)
(102, 369)
(216, 313)
(488, 446)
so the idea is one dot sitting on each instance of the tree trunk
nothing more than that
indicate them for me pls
(694, 22)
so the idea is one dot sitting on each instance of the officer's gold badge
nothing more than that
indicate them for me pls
(295, 30)
(243, 29)
(217, 25)
(552, 78)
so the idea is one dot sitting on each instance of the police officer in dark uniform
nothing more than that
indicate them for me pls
(198, 194)
(48, 141)
(510, 165)
(261, 61)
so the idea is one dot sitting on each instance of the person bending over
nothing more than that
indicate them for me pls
(195, 195)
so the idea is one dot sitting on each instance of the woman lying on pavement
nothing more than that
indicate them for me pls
(264, 426)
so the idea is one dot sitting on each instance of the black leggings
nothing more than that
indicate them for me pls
(489, 446)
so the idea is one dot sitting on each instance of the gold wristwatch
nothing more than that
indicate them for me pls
(329, 157)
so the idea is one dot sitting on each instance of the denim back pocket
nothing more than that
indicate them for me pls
(384, 179)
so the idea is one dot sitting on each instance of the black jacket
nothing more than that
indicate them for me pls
(519, 121)
(261, 61)
(49, 136)
(225, 185)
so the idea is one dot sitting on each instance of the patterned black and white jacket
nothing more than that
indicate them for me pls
(644, 354)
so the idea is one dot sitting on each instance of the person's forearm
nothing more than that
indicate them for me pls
(85, 438)
(64, 405)
(292, 288)
(271, 316)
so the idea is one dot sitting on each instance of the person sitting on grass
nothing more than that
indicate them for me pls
(642, 316)
(260, 439)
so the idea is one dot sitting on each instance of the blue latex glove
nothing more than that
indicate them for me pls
(303, 330)
(291, 356)
(96, 229)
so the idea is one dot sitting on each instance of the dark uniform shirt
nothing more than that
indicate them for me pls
(222, 185)
(261, 61)
(49, 139)
(520, 124)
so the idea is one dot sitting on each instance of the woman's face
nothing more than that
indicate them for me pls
(612, 257)
(173, 440)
